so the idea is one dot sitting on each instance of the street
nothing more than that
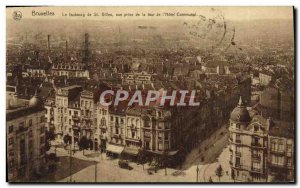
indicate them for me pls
(107, 170)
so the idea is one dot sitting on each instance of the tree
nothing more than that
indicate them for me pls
(67, 139)
(210, 180)
(142, 157)
(219, 172)
(50, 135)
(83, 143)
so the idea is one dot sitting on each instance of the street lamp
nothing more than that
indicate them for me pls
(95, 171)
(197, 171)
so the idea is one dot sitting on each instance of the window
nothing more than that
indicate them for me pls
(160, 146)
(256, 165)
(11, 129)
(42, 129)
(122, 120)
(166, 145)
(289, 161)
(30, 122)
(166, 136)
(69, 122)
(42, 119)
(10, 141)
(111, 118)
(238, 138)
(289, 148)
(42, 139)
(103, 122)
(42, 151)
(273, 146)
(70, 113)
(133, 134)
(117, 131)
(280, 147)
(237, 161)
(277, 160)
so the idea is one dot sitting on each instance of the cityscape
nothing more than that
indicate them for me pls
(78, 107)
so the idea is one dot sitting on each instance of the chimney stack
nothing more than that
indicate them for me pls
(48, 42)
(66, 46)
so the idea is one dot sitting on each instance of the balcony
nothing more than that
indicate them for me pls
(278, 152)
(256, 144)
(118, 136)
(256, 158)
(238, 165)
(238, 154)
(75, 118)
(87, 117)
(256, 169)
(77, 127)
(238, 141)
(22, 129)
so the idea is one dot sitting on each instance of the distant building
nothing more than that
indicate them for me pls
(137, 78)
(25, 138)
(70, 70)
(281, 161)
(265, 78)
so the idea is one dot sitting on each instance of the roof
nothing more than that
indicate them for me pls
(282, 129)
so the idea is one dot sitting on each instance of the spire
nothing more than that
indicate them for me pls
(241, 102)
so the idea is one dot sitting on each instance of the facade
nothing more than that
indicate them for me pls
(66, 110)
(265, 78)
(70, 70)
(137, 78)
(281, 152)
(25, 138)
(261, 149)
(248, 146)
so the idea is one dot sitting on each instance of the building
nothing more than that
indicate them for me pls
(281, 153)
(265, 78)
(70, 70)
(67, 110)
(248, 146)
(25, 138)
(137, 78)
(261, 149)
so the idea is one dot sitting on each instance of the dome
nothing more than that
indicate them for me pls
(240, 113)
(36, 101)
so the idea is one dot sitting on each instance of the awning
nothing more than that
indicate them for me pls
(114, 148)
(171, 153)
(130, 151)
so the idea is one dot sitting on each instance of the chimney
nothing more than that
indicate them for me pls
(48, 43)
(270, 123)
(66, 46)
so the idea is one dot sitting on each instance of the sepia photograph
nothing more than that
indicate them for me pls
(150, 94)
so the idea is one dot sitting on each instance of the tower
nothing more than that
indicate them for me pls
(86, 48)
